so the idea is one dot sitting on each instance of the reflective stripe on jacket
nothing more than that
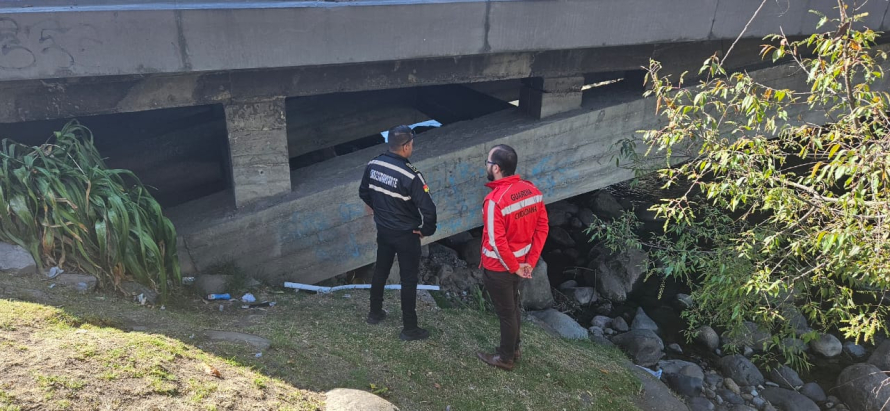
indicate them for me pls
(398, 194)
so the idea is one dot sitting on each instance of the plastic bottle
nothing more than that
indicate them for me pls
(225, 296)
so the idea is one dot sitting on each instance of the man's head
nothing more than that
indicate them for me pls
(501, 162)
(401, 141)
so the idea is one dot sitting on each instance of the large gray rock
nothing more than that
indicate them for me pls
(561, 324)
(562, 207)
(601, 321)
(616, 275)
(785, 377)
(788, 400)
(654, 395)
(881, 357)
(560, 237)
(605, 205)
(855, 351)
(618, 324)
(813, 391)
(586, 217)
(698, 404)
(864, 387)
(795, 319)
(79, 282)
(344, 399)
(730, 396)
(558, 218)
(752, 335)
(16, 260)
(643, 346)
(459, 279)
(584, 295)
(707, 337)
(535, 293)
(643, 322)
(212, 284)
(471, 252)
(741, 370)
(683, 377)
(827, 345)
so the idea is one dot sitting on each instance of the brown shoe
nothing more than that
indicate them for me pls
(516, 354)
(495, 361)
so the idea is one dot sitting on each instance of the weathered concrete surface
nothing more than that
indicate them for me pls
(258, 150)
(543, 97)
(322, 228)
(70, 97)
(49, 41)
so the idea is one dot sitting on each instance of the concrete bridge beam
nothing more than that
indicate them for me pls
(545, 96)
(257, 134)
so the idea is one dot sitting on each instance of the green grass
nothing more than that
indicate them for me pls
(321, 342)
(318, 343)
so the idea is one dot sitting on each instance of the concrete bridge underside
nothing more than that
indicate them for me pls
(264, 88)
(321, 229)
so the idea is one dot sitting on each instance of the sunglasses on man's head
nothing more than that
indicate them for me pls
(490, 162)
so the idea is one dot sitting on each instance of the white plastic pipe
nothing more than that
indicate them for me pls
(320, 289)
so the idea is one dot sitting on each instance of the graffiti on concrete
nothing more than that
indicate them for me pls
(47, 44)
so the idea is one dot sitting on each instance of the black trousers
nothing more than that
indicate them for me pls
(406, 245)
(503, 288)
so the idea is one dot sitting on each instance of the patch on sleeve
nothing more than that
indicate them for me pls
(426, 188)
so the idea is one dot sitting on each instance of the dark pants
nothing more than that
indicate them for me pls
(503, 288)
(406, 245)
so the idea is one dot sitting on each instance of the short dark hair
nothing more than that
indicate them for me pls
(399, 136)
(505, 157)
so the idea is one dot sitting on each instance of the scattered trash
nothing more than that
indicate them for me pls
(225, 296)
(141, 299)
(52, 285)
(221, 307)
(81, 331)
(81, 287)
(347, 295)
(258, 355)
(192, 336)
(54, 272)
(188, 280)
(210, 370)
(656, 374)
(321, 289)
(163, 308)
(248, 298)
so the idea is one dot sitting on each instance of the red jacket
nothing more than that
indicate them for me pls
(515, 225)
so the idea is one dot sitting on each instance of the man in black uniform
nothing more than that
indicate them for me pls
(404, 213)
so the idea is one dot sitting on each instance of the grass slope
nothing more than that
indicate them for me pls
(72, 351)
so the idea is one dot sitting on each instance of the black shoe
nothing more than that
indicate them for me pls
(414, 334)
(376, 318)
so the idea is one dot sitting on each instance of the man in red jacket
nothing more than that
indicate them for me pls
(512, 238)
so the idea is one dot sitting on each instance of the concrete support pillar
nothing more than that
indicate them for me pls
(258, 149)
(541, 97)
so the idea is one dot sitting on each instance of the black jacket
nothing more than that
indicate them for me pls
(398, 194)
